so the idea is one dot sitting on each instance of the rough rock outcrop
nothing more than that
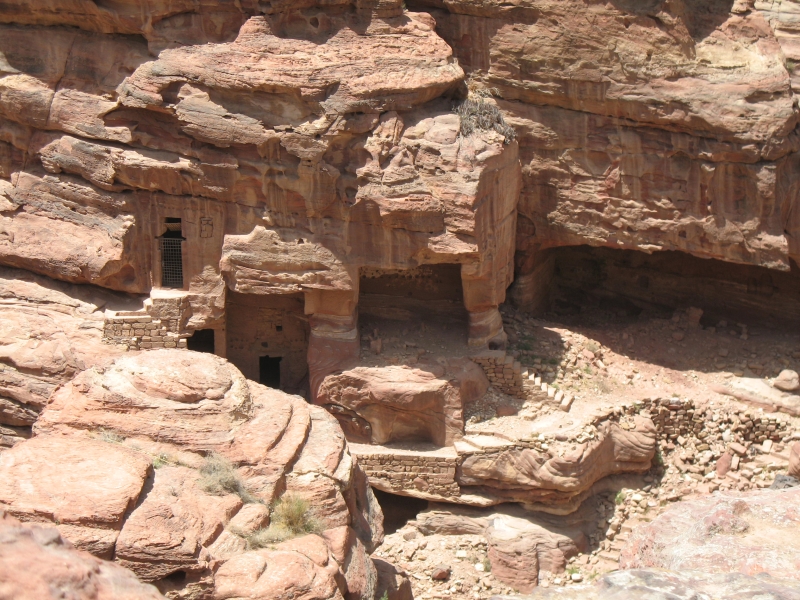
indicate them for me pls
(401, 403)
(649, 126)
(117, 463)
(287, 151)
(658, 584)
(49, 331)
(36, 563)
(553, 482)
(751, 533)
(520, 544)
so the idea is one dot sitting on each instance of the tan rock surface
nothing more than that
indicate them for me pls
(36, 563)
(660, 583)
(401, 403)
(520, 544)
(555, 483)
(86, 488)
(751, 533)
(794, 461)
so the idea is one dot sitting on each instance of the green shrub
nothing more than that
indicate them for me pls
(479, 115)
(220, 477)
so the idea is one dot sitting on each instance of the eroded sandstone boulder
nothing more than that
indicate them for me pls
(557, 482)
(119, 462)
(521, 545)
(397, 403)
(754, 533)
(37, 563)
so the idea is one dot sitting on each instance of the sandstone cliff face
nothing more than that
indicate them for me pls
(643, 125)
(287, 149)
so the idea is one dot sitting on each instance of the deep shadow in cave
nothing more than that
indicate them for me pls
(398, 510)
(202, 340)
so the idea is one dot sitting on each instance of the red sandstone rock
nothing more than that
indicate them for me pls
(85, 487)
(750, 533)
(566, 94)
(36, 563)
(89, 464)
(520, 543)
(392, 582)
(553, 483)
(401, 403)
(49, 332)
(440, 573)
(724, 464)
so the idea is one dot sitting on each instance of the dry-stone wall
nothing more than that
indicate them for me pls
(143, 332)
(503, 372)
(430, 473)
(678, 420)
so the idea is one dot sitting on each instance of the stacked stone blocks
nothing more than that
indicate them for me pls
(503, 372)
(143, 332)
(433, 475)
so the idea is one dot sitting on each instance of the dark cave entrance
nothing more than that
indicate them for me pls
(269, 371)
(398, 510)
(202, 340)
(423, 306)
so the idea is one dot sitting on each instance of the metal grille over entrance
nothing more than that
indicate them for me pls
(171, 263)
(172, 255)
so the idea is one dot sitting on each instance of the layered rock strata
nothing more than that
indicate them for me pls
(250, 166)
(549, 472)
(49, 332)
(119, 464)
(655, 126)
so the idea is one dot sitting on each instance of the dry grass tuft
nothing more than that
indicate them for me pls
(479, 115)
(220, 477)
(291, 517)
